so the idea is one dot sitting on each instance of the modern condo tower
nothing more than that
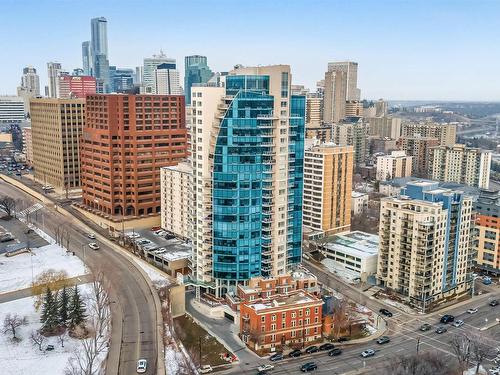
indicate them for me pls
(247, 154)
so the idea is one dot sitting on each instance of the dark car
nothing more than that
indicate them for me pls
(445, 319)
(327, 346)
(335, 352)
(276, 357)
(385, 312)
(262, 373)
(309, 366)
(425, 327)
(49, 348)
(440, 330)
(494, 303)
(383, 340)
(312, 349)
(295, 353)
(343, 339)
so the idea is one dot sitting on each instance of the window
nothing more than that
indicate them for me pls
(263, 319)
(273, 317)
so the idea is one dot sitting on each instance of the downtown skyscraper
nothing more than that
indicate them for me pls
(196, 71)
(99, 52)
(247, 156)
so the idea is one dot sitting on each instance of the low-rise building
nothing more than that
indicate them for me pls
(359, 202)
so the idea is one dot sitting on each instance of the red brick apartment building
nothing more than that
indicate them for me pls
(294, 320)
(125, 141)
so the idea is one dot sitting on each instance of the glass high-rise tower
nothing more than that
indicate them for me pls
(99, 51)
(196, 71)
(247, 154)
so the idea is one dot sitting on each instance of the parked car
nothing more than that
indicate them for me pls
(383, 340)
(276, 357)
(327, 346)
(343, 339)
(142, 366)
(458, 323)
(494, 303)
(94, 246)
(368, 353)
(425, 327)
(440, 330)
(472, 310)
(447, 319)
(309, 366)
(295, 353)
(312, 349)
(335, 352)
(133, 235)
(49, 348)
(205, 369)
(487, 280)
(385, 312)
(155, 229)
(265, 367)
(91, 236)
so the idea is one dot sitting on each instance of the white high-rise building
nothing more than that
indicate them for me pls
(350, 69)
(148, 72)
(30, 81)
(395, 165)
(11, 109)
(166, 80)
(53, 70)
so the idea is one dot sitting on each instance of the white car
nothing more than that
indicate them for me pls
(458, 323)
(94, 246)
(91, 236)
(368, 353)
(133, 235)
(142, 365)
(265, 367)
(472, 311)
(160, 233)
(205, 369)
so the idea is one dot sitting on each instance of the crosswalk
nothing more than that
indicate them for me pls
(30, 210)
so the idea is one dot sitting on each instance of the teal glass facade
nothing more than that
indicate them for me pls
(196, 71)
(242, 198)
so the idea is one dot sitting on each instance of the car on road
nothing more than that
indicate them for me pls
(154, 229)
(91, 236)
(343, 339)
(440, 330)
(385, 312)
(458, 323)
(265, 367)
(205, 369)
(49, 348)
(487, 280)
(327, 346)
(493, 303)
(133, 235)
(312, 349)
(472, 310)
(425, 327)
(276, 357)
(142, 366)
(383, 340)
(309, 366)
(94, 246)
(368, 353)
(335, 352)
(447, 319)
(295, 353)
(262, 373)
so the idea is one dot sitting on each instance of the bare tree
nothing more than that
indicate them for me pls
(12, 322)
(37, 338)
(423, 364)
(340, 316)
(480, 349)
(8, 205)
(62, 337)
(461, 345)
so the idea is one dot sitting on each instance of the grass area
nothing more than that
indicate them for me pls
(196, 339)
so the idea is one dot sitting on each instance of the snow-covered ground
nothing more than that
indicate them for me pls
(398, 305)
(24, 358)
(340, 271)
(154, 274)
(18, 272)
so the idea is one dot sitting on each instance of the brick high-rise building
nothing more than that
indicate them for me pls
(76, 86)
(125, 142)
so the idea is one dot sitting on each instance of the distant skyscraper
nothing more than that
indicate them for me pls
(86, 58)
(30, 81)
(71, 87)
(166, 80)
(121, 79)
(53, 70)
(99, 51)
(334, 95)
(148, 73)
(196, 71)
(351, 70)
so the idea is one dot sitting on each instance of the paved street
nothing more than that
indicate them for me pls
(133, 313)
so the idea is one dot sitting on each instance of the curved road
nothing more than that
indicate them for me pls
(132, 302)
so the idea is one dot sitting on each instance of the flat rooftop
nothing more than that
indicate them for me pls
(357, 243)
(283, 301)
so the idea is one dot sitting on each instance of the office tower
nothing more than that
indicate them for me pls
(382, 145)
(446, 133)
(30, 81)
(166, 80)
(354, 134)
(353, 108)
(351, 78)
(56, 129)
(78, 72)
(99, 51)
(464, 165)
(12, 109)
(134, 136)
(487, 226)
(323, 133)
(314, 110)
(425, 243)
(138, 75)
(420, 149)
(176, 199)
(148, 73)
(385, 127)
(328, 172)
(28, 145)
(76, 86)
(334, 95)
(381, 108)
(101, 73)
(299, 90)
(196, 72)
(86, 58)
(121, 79)
(395, 165)
(247, 154)
(53, 70)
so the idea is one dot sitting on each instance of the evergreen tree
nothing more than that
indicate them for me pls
(63, 306)
(49, 312)
(77, 309)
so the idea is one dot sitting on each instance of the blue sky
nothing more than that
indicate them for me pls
(420, 49)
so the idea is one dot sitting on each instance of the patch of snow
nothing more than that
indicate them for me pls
(371, 330)
(335, 268)
(154, 274)
(398, 305)
(19, 271)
